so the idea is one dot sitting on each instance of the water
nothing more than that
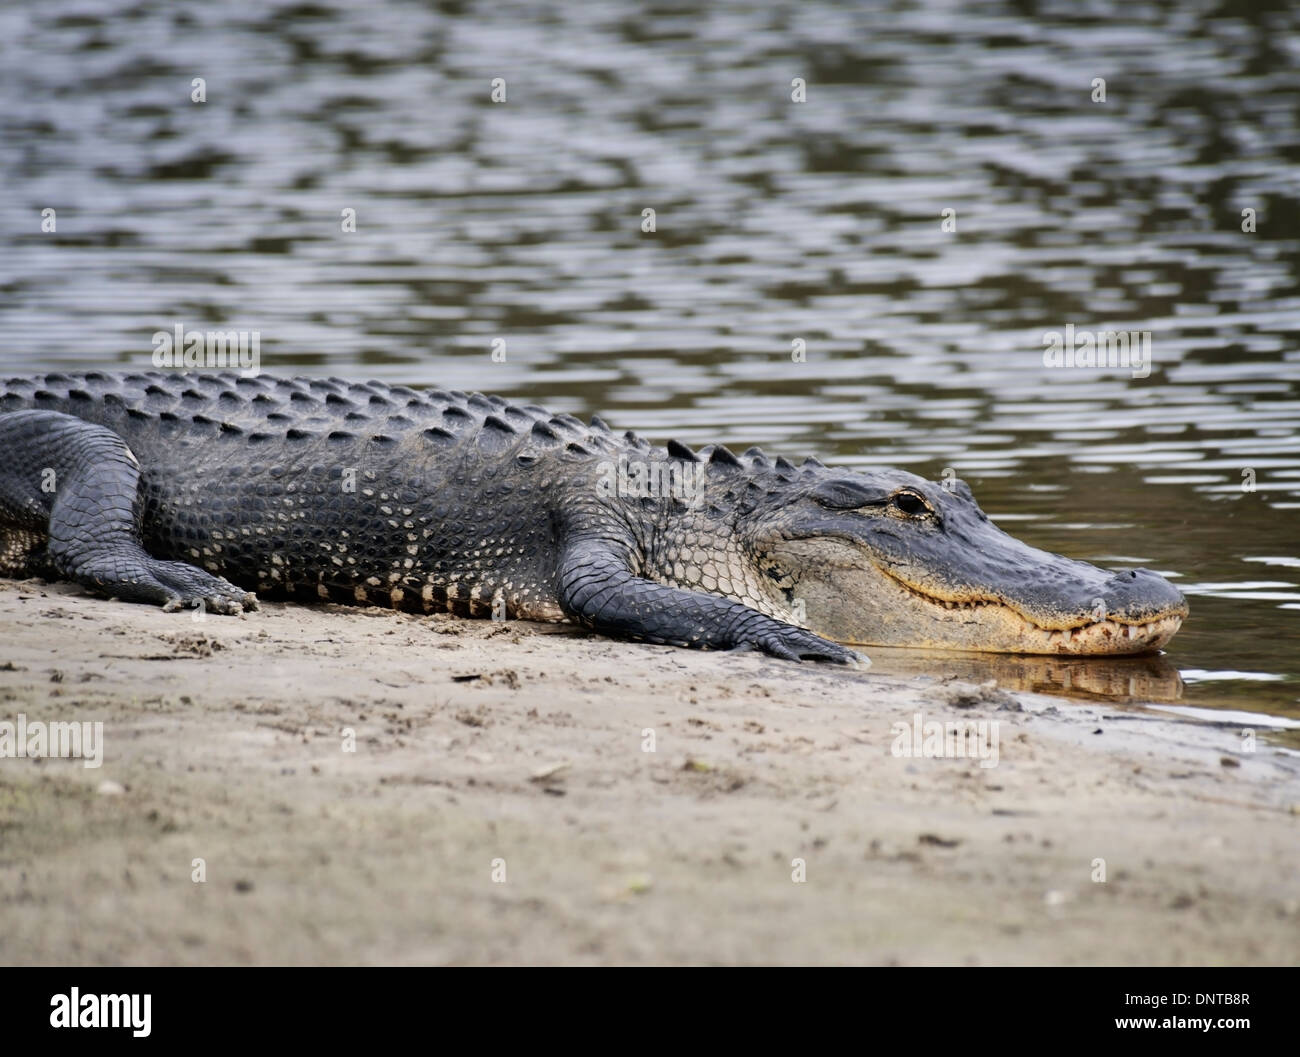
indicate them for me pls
(775, 221)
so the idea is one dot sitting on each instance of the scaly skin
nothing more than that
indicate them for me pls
(187, 489)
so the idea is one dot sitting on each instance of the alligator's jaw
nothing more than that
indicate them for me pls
(860, 603)
(992, 625)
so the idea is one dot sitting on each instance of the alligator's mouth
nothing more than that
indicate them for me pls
(1002, 622)
(1069, 607)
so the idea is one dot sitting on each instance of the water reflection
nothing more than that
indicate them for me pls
(1146, 678)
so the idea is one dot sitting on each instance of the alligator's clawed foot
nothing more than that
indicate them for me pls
(188, 587)
(796, 644)
(172, 585)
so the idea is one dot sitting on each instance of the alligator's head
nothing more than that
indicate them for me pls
(890, 559)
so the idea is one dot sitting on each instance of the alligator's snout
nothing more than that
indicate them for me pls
(1140, 594)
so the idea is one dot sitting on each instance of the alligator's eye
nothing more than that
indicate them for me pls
(910, 504)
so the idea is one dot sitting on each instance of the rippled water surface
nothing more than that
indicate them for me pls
(776, 221)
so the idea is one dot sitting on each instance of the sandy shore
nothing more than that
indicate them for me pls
(500, 805)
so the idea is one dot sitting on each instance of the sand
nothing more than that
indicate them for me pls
(500, 805)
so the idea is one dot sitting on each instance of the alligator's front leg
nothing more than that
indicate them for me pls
(76, 487)
(599, 591)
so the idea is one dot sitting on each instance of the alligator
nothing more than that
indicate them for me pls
(210, 489)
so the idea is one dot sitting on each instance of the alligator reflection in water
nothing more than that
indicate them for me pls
(1150, 677)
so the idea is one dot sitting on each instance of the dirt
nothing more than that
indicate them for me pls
(307, 785)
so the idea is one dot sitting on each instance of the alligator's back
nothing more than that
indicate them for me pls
(355, 492)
